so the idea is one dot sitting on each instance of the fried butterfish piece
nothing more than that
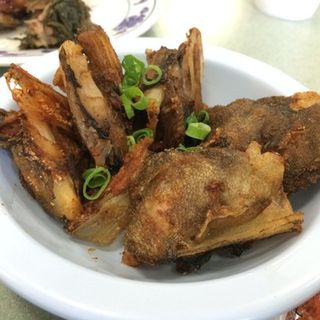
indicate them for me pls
(104, 64)
(59, 79)
(287, 125)
(184, 201)
(43, 144)
(102, 220)
(179, 91)
(277, 218)
(100, 127)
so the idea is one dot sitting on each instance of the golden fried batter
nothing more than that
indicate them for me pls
(43, 143)
(279, 124)
(182, 200)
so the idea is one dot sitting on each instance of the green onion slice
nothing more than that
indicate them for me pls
(97, 181)
(138, 136)
(94, 178)
(198, 130)
(142, 133)
(126, 102)
(142, 104)
(131, 63)
(192, 118)
(133, 93)
(130, 80)
(133, 70)
(135, 73)
(181, 147)
(203, 116)
(130, 142)
(154, 69)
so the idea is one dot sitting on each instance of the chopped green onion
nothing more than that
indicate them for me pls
(87, 172)
(130, 142)
(138, 136)
(142, 133)
(133, 70)
(97, 181)
(192, 119)
(129, 81)
(135, 93)
(156, 69)
(181, 147)
(198, 130)
(131, 63)
(141, 104)
(135, 73)
(98, 177)
(126, 102)
(203, 116)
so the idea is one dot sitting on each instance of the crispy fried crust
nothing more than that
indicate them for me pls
(181, 88)
(105, 218)
(100, 127)
(59, 79)
(187, 203)
(102, 220)
(303, 100)
(279, 124)
(104, 63)
(10, 128)
(277, 218)
(43, 144)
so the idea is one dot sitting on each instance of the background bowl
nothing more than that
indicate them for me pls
(62, 275)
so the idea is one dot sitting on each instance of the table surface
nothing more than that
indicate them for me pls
(290, 46)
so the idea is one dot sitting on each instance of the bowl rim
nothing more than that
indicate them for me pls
(132, 299)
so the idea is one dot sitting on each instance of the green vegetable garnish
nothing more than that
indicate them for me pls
(181, 147)
(192, 119)
(133, 68)
(94, 178)
(154, 69)
(142, 133)
(197, 125)
(138, 136)
(64, 18)
(126, 102)
(198, 130)
(136, 97)
(135, 74)
(203, 116)
(130, 142)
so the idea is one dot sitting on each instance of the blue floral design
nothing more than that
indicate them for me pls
(131, 21)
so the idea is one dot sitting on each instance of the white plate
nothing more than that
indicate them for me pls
(44, 265)
(119, 18)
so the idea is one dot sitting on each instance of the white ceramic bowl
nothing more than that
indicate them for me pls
(43, 264)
